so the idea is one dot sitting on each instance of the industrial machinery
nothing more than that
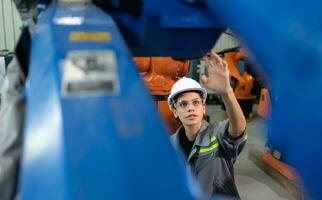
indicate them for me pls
(264, 106)
(159, 74)
(272, 161)
(91, 129)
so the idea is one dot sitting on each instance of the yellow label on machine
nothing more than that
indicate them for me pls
(90, 36)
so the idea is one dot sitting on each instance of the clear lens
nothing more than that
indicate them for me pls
(183, 104)
(195, 103)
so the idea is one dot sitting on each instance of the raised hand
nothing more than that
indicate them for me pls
(218, 74)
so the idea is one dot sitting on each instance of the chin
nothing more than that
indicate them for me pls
(192, 123)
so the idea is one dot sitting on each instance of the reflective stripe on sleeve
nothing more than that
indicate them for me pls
(210, 148)
(246, 137)
(213, 138)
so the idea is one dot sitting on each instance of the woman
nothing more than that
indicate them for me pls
(210, 149)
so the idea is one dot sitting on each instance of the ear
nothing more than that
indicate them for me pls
(204, 110)
(174, 111)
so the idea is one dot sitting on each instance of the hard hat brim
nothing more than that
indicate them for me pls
(202, 90)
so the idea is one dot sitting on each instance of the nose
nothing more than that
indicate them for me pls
(191, 108)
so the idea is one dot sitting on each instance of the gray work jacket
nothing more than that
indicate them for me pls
(212, 157)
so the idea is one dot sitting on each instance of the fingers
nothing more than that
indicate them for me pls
(207, 61)
(216, 58)
(204, 79)
(214, 62)
(225, 65)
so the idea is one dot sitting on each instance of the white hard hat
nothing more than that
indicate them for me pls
(184, 85)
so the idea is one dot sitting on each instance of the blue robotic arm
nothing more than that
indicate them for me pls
(88, 133)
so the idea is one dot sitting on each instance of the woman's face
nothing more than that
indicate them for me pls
(190, 108)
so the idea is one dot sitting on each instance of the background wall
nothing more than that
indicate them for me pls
(225, 41)
(9, 25)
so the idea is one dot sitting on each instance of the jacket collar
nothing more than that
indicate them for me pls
(202, 138)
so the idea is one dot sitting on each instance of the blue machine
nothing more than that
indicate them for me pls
(92, 131)
(285, 38)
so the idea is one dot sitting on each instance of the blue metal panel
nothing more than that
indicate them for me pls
(60, 128)
(169, 28)
(165, 27)
(95, 145)
(285, 37)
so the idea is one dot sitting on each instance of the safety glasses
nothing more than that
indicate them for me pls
(195, 102)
